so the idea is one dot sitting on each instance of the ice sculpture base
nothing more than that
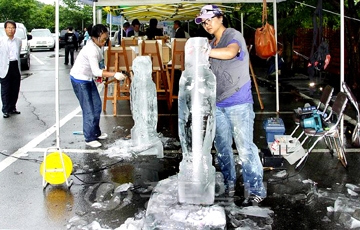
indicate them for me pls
(196, 185)
(154, 148)
(196, 193)
(164, 212)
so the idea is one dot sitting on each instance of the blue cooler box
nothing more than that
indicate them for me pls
(273, 126)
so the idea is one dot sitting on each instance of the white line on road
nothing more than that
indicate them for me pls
(37, 140)
(37, 59)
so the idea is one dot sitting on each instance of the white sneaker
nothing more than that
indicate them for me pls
(103, 136)
(93, 144)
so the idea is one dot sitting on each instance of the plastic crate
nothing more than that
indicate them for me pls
(273, 126)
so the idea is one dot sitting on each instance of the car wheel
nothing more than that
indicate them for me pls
(26, 65)
(52, 49)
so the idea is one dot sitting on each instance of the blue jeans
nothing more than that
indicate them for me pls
(237, 122)
(90, 103)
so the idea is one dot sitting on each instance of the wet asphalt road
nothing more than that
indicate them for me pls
(298, 201)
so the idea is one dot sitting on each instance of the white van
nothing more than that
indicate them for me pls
(21, 32)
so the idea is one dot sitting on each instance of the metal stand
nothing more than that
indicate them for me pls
(59, 167)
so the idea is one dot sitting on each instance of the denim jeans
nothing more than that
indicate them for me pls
(237, 122)
(90, 103)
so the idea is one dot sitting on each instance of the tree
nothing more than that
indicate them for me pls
(16, 10)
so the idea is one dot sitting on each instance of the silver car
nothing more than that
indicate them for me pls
(42, 39)
(21, 32)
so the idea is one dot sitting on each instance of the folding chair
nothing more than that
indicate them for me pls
(321, 108)
(355, 139)
(330, 133)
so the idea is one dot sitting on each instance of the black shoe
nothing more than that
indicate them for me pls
(65, 63)
(15, 112)
(6, 115)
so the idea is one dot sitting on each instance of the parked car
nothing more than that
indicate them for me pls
(62, 38)
(21, 32)
(42, 39)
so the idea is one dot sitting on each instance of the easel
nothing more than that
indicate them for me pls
(118, 59)
(254, 79)
(152, 48)
(177, 63)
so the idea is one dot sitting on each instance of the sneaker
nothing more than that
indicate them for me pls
(103, 136)
(230, 189)
(252, 200)
(93, 144)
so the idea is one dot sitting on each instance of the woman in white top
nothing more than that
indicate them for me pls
(89, 64)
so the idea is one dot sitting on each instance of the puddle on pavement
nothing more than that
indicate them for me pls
(118, 197)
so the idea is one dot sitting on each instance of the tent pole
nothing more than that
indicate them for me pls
(57, 77)
(110, 24)
(94, 13)
(276, 58)
(242, 22)
(342, 59)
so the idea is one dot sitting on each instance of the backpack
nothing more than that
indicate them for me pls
(320, 58)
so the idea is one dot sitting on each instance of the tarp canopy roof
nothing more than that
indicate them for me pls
(166, 10)
(173, 8)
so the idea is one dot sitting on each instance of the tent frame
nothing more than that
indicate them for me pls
(216, 2)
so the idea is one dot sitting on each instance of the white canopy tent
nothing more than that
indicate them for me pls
(104, 3)
(197, 6)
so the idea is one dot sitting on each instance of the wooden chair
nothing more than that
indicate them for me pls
(118, 59)
(177, 63)
(153, 48)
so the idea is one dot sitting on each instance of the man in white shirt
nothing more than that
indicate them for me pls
(10, 77)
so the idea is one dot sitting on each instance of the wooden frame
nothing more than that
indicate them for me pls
(129, 41)
(177, 62)
(118, 59)
(153, 48)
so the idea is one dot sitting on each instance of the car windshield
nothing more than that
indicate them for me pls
(41, 33)
(20, 33)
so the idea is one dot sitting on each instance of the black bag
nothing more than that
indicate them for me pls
(320, 58)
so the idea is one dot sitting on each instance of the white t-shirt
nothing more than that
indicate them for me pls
(86, 64)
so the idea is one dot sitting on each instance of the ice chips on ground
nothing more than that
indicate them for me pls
(353, 187)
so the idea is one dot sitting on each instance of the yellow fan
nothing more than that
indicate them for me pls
(54, 170)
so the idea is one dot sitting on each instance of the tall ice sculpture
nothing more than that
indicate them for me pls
(196, 111)
(143, 104)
